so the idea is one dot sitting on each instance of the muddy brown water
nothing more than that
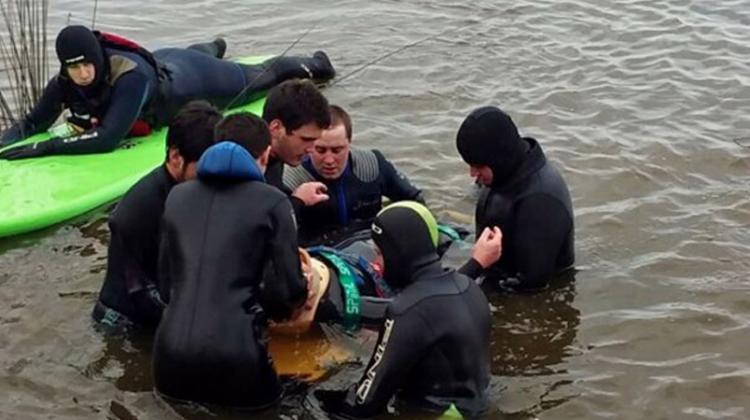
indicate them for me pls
(637, 102)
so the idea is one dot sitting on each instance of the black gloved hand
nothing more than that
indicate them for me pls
(26, 151)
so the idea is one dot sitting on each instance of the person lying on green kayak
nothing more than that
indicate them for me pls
(114, 89)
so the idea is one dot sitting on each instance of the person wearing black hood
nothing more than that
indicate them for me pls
(115, 89)
(228, 260)
(433, 348)
(524, 195)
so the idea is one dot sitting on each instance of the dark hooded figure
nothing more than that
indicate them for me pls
(524, 195)
(116, 89)
(433, 348)
(224, 234)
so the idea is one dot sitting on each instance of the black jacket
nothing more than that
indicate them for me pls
(533, 208)
(355, 197)
(132, 256)
(228, 257)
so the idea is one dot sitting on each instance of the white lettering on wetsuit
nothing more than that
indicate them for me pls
(364, 387)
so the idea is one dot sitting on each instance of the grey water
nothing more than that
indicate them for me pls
(638, 102)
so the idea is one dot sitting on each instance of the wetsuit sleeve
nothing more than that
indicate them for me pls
(400, 345)
(472, 269)
(285, 289)
(129, 95)
(397, 185)
(131, 234)
(41, 117)
(542, 226)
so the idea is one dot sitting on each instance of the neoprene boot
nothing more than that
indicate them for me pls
(215, 48)
(318, 67)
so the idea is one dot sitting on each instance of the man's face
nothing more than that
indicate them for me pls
(292, 146)
(82, 74)
(481, 173)
(331, 152)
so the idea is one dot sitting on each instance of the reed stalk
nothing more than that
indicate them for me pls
(23, 57)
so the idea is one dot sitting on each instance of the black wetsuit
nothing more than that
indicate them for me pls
(228, 258)
(355, 197)
(129, 292)
(138, 90)
(433, 347)
(532, 207)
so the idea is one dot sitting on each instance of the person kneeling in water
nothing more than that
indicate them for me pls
(433, 347)
(114, 89)
(346, 284)
(228, 261)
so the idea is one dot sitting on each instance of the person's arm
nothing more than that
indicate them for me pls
(284, 288)
(487, 250)
(542, 226)
(397, 185)
(41, 117)
(129, 95)
(400, 344)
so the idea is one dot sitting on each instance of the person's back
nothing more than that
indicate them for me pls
(451, 313)
(433, 347)
(223, 234)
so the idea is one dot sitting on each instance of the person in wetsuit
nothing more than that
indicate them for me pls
(524, 195)
(115, 89)
(129, 294)
(433, 347)
(228, 261)
(296, 113)
(355, 179)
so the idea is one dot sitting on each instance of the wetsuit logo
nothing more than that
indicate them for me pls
(364, 387)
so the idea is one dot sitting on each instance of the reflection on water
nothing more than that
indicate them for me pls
(637, 103)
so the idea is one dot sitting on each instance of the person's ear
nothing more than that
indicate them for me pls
(262, 160)
(175, 163)
(276, 127)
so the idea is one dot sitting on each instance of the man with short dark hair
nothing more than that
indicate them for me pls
(524, 195)
(129, 294)
(355, 179)
(296, 113)
(228, 261)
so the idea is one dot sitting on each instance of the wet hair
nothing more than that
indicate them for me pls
(296, 103)
(341, 117)
(191, 131)
(246, 129)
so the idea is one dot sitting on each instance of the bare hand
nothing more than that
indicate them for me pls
(489, 247)
(311, 193)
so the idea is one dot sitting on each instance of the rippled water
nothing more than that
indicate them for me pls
(637, 102)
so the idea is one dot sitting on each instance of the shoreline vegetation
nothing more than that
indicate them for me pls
(24, 60)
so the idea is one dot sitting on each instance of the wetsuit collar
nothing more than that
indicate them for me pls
(533, 160)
